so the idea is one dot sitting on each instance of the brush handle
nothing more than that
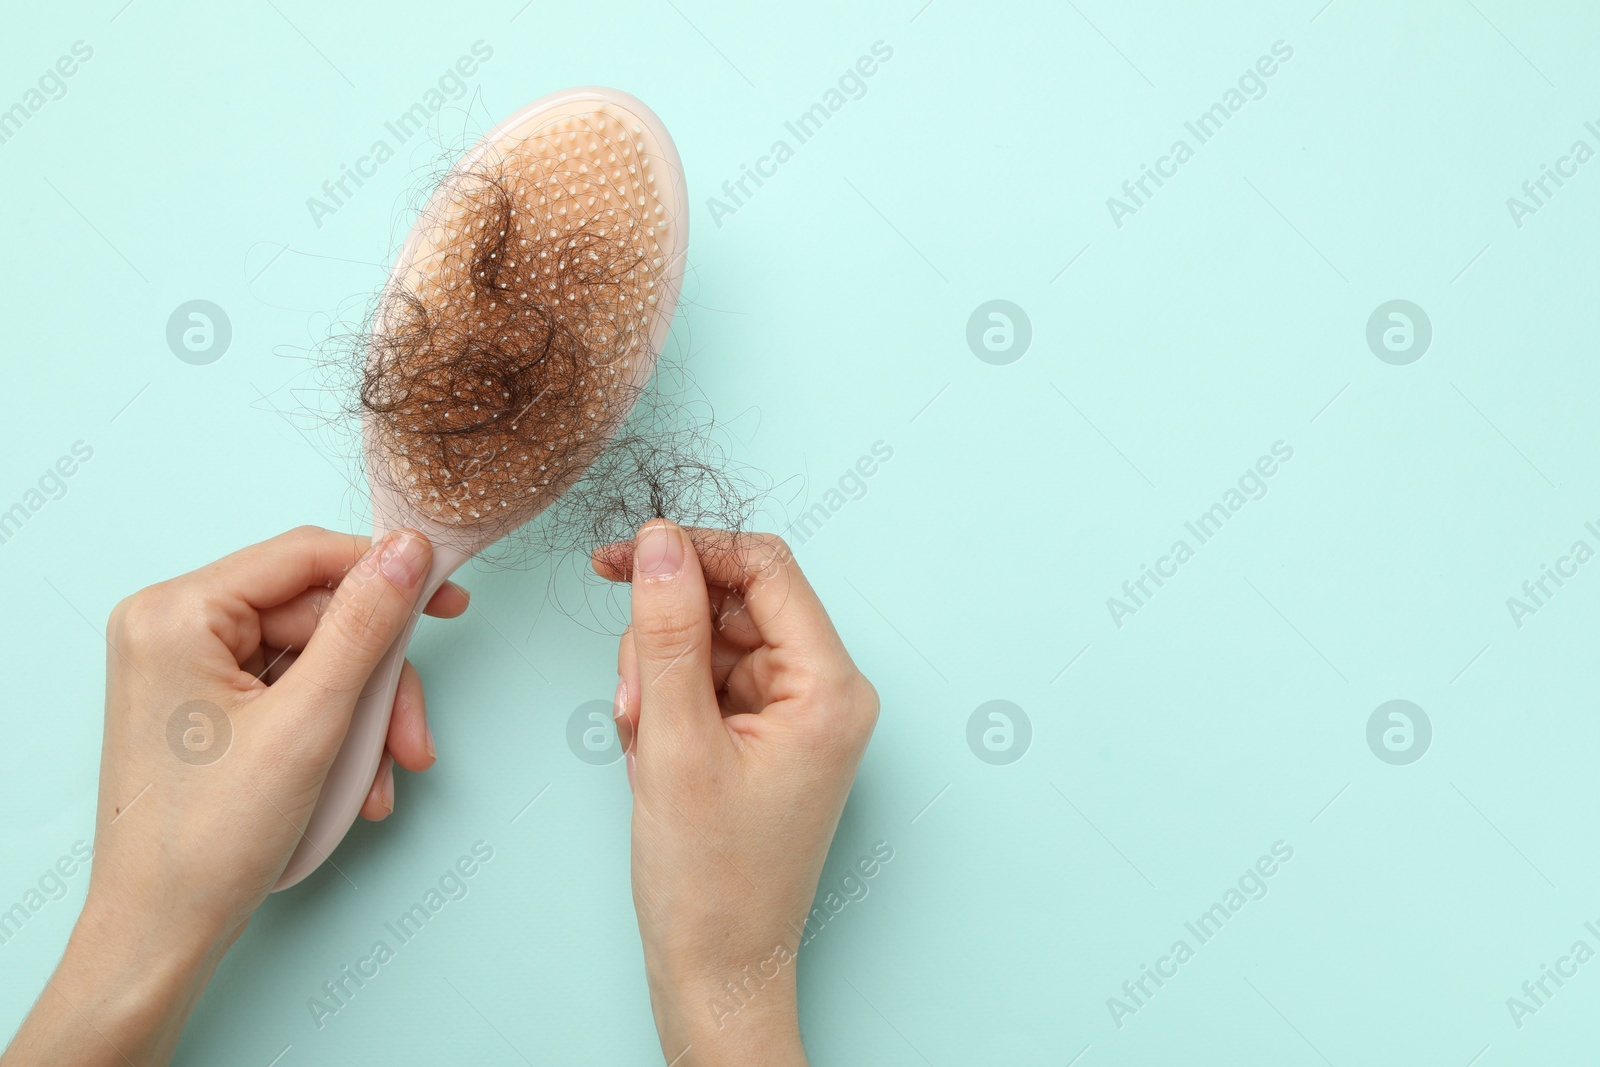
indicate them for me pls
(350, 778)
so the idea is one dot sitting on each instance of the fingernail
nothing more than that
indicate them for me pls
(386, 791)
(433, 753)
(402, 558)
(632, 772)
(659, 552)
(620, 714)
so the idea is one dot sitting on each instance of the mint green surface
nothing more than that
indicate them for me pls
(828, 312)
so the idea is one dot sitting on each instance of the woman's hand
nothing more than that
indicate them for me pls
(744, 719)
(209, 773)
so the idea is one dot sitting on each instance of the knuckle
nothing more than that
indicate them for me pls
(324, 685)
(319, 601)
(668, 635)
(866, 701)
(141, 620)
(118, 619)
(868, 717)
(854, 703)
(772, 547)
(350, 621)
(766, 540)
(767, 555)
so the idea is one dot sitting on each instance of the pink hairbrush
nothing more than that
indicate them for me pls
(521, 321)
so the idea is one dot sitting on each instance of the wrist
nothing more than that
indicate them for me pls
(135, 978)
(121, 994)
(174, 944)
(741, 1018)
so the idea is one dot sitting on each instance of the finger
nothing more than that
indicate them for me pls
(290, 624)
(779, 602)
(725, 656)
(410, 742)
(255, 664)
(741, 692)
(732, 618)
(613, 561)
(372, 604)
(626, 703)
(379, 804)
(267, 574)
(672, 639)
(450, 601)
(264, 660)
(278, 664)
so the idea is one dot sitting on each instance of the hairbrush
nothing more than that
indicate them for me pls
(521, 321)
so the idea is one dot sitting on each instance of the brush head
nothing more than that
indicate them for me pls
(524, 316)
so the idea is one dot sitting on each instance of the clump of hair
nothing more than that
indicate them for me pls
(514, 340)
(505, 370)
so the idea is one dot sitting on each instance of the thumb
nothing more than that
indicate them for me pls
(372, 605)
(671, 630)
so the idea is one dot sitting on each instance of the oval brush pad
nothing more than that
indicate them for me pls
(521, 321)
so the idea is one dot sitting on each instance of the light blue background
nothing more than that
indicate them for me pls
(830, 313)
